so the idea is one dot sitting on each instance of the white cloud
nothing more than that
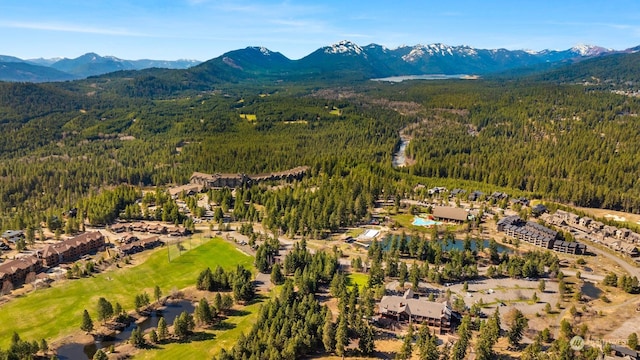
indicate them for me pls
(69, 28)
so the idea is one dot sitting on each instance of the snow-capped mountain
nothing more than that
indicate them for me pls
(344, 47)
(344, 58)
(589, 50)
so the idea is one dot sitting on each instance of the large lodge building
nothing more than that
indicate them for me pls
(538, 235)
(407, 308)
(17, 270)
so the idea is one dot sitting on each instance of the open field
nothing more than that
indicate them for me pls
(622, 217)
(357, 278)
(65, 301)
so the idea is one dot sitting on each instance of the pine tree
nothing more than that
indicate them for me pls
(183, 325)
(532, 351)
(366, 343)
(44, 347)
(484, 344)
(157, 293)
(217, 302)
(277, 278)
(203, 313)
(429, 348)
(632, 341)
(153, 336)
(464, 332)
(163, 332)
(105, 309)
(518, 323)
(328, 333)
(136, 338)
(407, 345)
(87, 323)
(100, 355)
(342, 336)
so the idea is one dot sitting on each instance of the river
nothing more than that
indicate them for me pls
(400, 156)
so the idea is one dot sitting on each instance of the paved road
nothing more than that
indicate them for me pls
(632, 270)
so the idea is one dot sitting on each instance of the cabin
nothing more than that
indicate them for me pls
(475, 195)
(140, 245)
(118, 228)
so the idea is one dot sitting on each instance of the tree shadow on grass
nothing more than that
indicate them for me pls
(237, 312)
(202, 336)
(257, 299)
(224, 325)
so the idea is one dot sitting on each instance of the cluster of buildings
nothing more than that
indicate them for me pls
(131, 244)
(16, 271)
(621, 240)
(474, 195)
(538, 235)
(218, 181)
(143, 227)
(411, 308)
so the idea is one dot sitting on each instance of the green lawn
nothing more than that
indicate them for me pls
(357, 278)
(354, 233)
(56, 312)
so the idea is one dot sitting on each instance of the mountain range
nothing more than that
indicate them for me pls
(90, 64)
(344, 59)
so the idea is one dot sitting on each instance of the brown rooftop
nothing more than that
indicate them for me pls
(452, 213)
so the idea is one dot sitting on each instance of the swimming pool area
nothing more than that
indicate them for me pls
(418, 221)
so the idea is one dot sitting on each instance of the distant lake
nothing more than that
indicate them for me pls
(427, 77)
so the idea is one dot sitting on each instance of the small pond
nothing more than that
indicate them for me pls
(86, 351)
(590, 290)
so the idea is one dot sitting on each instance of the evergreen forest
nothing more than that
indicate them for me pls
(65, 143)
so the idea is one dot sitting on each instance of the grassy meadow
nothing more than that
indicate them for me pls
(357, 278)
(57, 311)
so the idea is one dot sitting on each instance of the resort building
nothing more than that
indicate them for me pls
(16, 271)
(450, 214)
(538, 235)
(408, 308)
(71, 249)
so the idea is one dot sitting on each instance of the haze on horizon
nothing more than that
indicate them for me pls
(204, 29)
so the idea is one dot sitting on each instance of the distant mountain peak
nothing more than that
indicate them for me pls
(589, 50)
(344, 47)
(263, 50)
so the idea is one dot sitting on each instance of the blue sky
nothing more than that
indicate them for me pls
(204, 29)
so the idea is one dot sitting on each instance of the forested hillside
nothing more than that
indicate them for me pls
(90, 142)
(569, 144)
(65, 141)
